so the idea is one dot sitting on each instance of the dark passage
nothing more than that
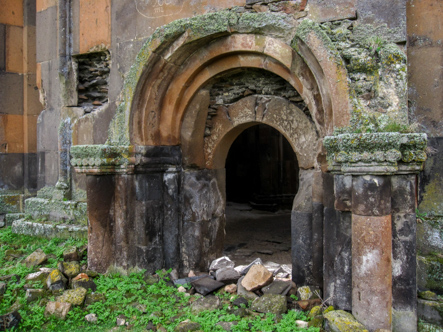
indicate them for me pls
(261, 182)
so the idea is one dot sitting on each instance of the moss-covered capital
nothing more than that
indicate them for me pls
(376, 153)
(102, 158)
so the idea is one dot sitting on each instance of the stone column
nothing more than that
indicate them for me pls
(404, 263)
(371, 251)
(383, 168)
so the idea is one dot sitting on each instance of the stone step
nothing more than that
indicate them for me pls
(57, 210)
(49, 229)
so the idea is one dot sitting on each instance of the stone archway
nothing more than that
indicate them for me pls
(155, 215)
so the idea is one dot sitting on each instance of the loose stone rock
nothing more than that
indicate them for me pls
(12, 254)
(93, 298)
(302, 324)
(186, 326)
(221, 263)
(121, 320)
(205, 303)
(10, 320)
(71, 254)
(308, 304)
(38, 257)
(56, 281)
(34, 294)
(57, 309)
(308, 293)
(69, 269)
(257, 277)
(342, 321)
(272, 303)
(248, 267)
(227, 275)
(91, 318)
(73, 296)
(277, 287)
(231, 289)
(181, 289)
(227, 326)
(243, 292)
(206, 285)
(240, 301)
(37, 276)
(83, 280)
(284, 271)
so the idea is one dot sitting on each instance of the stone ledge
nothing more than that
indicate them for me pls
(376, 153)
(63, 231)
(57, 210)
(109, 159)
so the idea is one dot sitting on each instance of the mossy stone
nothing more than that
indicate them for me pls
(74, 296)
(342, 321)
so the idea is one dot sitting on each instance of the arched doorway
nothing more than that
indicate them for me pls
(261, 183)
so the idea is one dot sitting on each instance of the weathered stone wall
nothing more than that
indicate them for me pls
(425, 56)
(19, 104)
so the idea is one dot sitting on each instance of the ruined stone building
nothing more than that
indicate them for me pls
(134, 121)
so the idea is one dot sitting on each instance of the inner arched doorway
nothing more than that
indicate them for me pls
(261, 183)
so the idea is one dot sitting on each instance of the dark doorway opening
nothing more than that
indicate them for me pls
(261, 183)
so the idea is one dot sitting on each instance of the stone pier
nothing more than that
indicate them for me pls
(375, 176)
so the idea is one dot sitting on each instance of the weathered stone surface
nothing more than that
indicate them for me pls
(69, 269)
(48, 230)
(205, 303)
(337, 250)
(222, 262)
(227, 275)
(308, 292)
(10, 320)
(38, 257)
(93, 298)
(307, 305)
(34, 294)
(342, 321)
(372, 270)
(277, 287)
(57, 309)
(231, 289)
(186, 326)
(71, 254)
(272, 303)
(430, 311)
(246, 269)
(227, 326)
(257, 277)
(56, 280)
(91, 318)
(371, 195)
(332, 10)
(37, 276)
(73, 296)
(241, 291)
(83, 280)
(206, 285)
(343, 192)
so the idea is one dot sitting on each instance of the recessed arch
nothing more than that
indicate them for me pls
(161, 100)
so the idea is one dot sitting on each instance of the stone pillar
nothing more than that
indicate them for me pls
(371, 251)
(337, 282)
(301, 231)
(404, 263)
(100, 194)
(383, 168)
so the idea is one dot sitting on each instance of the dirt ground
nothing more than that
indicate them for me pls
(252, 234)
